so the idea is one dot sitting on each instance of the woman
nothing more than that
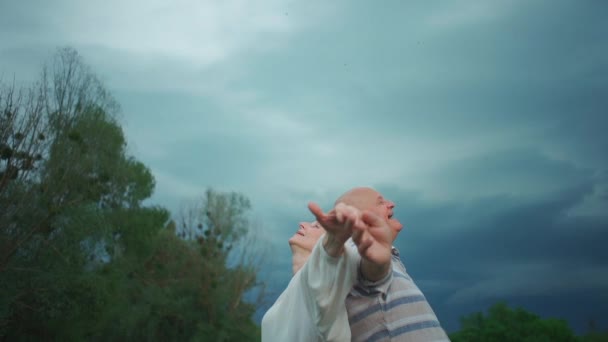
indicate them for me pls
(312, 306)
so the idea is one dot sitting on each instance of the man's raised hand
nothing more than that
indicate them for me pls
(373, 238)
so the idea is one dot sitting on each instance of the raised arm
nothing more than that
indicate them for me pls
(370, 233)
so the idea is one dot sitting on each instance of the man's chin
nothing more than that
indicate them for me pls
(395, 225)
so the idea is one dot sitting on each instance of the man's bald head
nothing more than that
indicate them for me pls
(365, 198)
(362, 198)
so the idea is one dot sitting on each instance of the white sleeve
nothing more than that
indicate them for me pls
(312, 307)
(328, 281)
(288, 318)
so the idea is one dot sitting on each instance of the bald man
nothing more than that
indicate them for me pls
(385, 304)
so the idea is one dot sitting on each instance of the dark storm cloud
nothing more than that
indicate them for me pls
(484, 121)
(528, 250)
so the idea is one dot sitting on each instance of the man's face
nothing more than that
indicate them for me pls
(384, 208)
(307, 235)
(372, 200)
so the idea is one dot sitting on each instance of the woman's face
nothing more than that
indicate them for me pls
(307, 235)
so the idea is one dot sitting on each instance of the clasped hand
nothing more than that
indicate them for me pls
(370, 233)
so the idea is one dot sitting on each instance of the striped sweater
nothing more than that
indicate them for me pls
(392, 309)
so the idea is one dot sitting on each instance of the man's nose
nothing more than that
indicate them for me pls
(390, 204)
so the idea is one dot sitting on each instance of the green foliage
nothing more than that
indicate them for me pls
(80, 257)
(88, 163)
(172, 291)
(511, 325)
(594, 336)
(222, 217)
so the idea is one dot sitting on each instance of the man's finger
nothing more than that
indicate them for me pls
(357, 235)
(364, 244)
(359, 228)
(340, 215)
(372, 219)
(353, 219)
(361, 236)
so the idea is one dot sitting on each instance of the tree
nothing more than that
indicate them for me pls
(505, 324)
(183, 286)
(36, 123)
(58, 210)
(24, 140)
(23, 133)
(80, 257)
(222, 233)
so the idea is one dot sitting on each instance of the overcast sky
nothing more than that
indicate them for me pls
(485, 121)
